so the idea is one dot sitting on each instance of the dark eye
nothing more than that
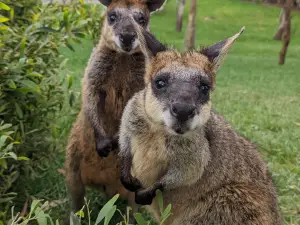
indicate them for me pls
(160, 84)
(204, 89)
(112, 18)
(141, 20)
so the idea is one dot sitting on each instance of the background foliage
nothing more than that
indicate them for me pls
(35, 86)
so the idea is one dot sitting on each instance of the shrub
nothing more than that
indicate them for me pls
(33, 81)
(38, 213)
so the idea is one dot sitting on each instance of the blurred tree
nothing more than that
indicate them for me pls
(191, 29)
(286, 34)
(180, 11)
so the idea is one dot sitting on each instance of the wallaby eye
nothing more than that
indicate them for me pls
(160, 83)
(112, 17)
(204, 89)
(141, 19)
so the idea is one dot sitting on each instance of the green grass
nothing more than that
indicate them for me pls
(257, 96)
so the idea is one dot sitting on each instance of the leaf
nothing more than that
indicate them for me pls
(71, 99)
(166, 213)
(140, 219)
(69, 45)
(5, 126)
(12, 84)
(19, 110)
(23, 158)
(33, 206)
(74, 220)
(160, 201)
(47, 29)
(22, 47)
(80, 213)
(13, 155)
(70, 81)
(40, 216)
(106, 209)
(4, 6)
(3, 138)
(110, 215)
(3, 19)
(3, 163)
(31, 85)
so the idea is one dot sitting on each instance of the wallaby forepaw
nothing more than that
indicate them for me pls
(131, 183)
(144, 197)
(104, 147)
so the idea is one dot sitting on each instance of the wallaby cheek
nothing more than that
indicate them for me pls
(204, 114)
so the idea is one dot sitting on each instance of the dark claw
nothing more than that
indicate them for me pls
(131, 183)
(104, 146)
(144, 197)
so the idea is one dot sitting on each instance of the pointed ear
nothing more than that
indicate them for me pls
(154, 5)
(149, 45)
(218, 51)
(105, 2)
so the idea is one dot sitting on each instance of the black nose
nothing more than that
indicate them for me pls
(127, 39)
(183, 111)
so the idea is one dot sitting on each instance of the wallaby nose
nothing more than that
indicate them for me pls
(183, 111)
(127, 39)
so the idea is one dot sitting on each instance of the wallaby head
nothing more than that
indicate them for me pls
(118, 30)
(178, 85)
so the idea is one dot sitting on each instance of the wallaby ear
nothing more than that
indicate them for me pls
(154, 5)
(218, 51)
(149, 45)
(105, 2)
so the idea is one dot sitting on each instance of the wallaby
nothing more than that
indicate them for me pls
(171, 140)
(114, 73)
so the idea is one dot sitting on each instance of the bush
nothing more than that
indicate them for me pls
(38, 213)
(33, 82)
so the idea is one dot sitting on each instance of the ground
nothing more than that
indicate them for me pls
(257, 96)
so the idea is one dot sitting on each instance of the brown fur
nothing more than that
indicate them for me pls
(111, 78)
(210, 175)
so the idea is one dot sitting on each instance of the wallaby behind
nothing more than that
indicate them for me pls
(113, 74)
(171, 140)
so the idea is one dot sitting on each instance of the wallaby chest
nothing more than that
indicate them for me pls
(125, 77)
(150, 160)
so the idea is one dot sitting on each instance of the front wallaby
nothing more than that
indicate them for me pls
(170, 139)
(114, 73)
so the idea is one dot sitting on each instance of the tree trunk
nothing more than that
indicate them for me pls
(286, 36)
(282, 20)
(191, 30)
(180, 11)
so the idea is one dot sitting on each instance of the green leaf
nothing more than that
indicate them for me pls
(33, 206)
(80, 213)
(160, 201)
(69, 45)
(3, 138)
(140, 219)
(19, 110)
(70, 81)
(22, 47)
(110, 215)
(3, 163)
(40, 216)
(74, 220)
(166, 213)
(3, 19)
(106, 209)
(12, 84)
(31, 85)
(5, 126)
(4, 6)
(23, 158)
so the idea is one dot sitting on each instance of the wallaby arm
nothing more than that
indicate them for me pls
(94, 99)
